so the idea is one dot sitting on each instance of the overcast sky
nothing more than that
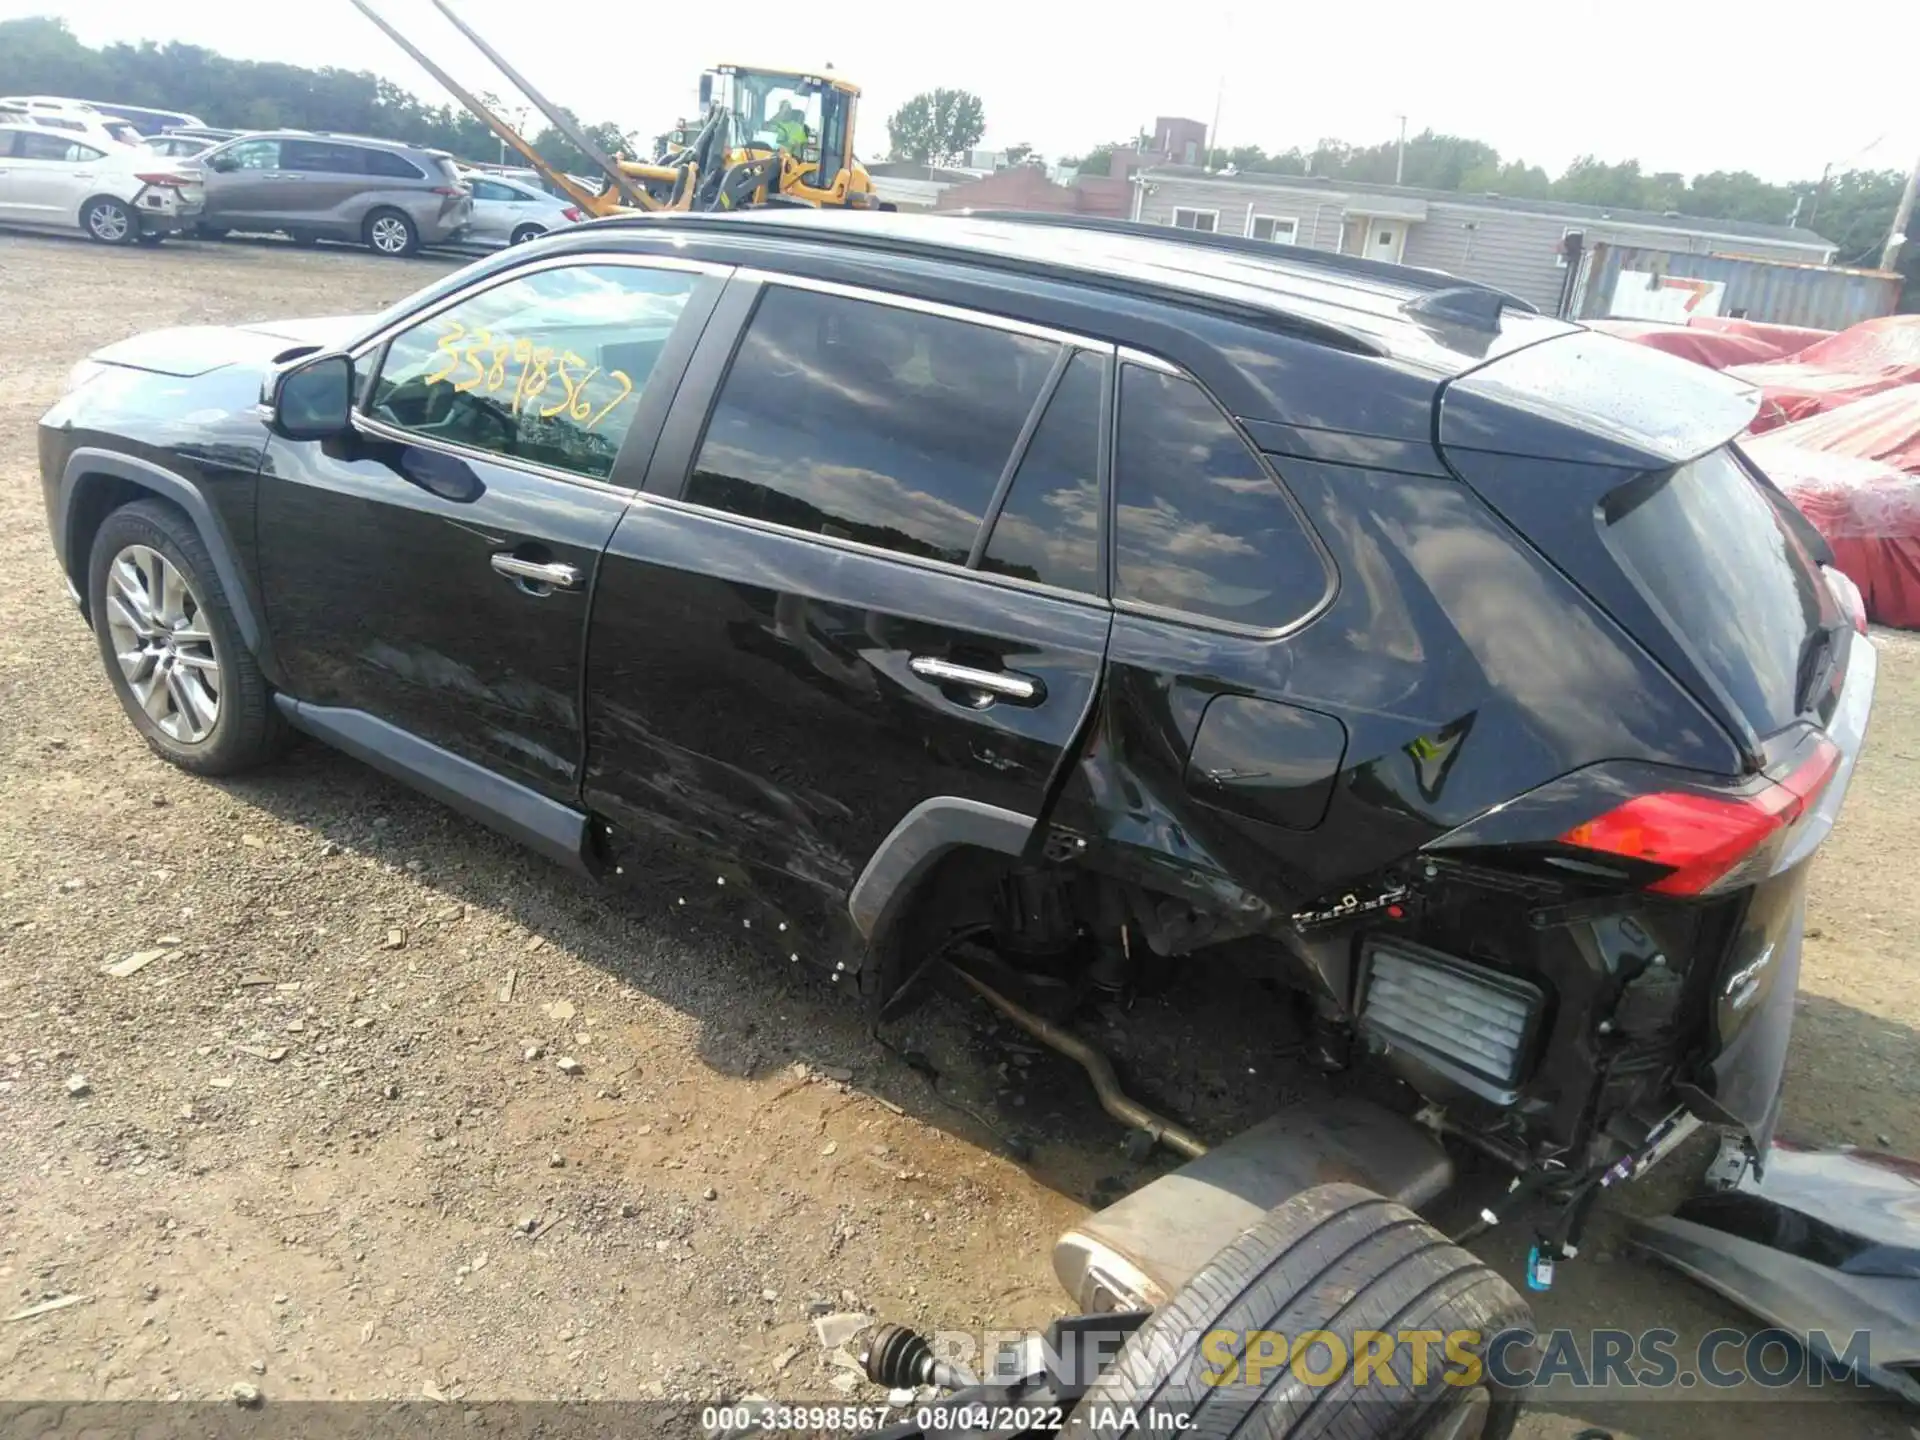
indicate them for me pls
(1687, 85)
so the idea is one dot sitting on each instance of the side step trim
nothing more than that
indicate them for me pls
(557, 831)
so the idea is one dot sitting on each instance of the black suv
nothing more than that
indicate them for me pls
(1059, 597)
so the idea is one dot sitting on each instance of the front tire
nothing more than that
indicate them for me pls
(1339, 1261)
(171, 646)
(526, 233)
(109, 221)
(392, 234)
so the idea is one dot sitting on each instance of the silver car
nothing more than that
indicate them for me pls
(512, 212)
(390, 197)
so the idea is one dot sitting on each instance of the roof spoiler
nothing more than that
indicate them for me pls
(1409, 275)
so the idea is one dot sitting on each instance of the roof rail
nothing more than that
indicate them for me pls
(760, 222)
(1303, 255)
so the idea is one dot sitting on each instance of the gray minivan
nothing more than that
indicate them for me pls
(390, 197)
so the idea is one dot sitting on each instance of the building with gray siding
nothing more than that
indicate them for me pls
(1513, 244)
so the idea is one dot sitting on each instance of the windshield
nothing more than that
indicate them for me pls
(778, 111)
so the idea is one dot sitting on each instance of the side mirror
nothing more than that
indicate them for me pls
(313, 400)
(224, 164)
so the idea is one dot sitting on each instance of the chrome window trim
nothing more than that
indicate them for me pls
(859, 547)
(985, 318)
(379, 429)
(569, 261)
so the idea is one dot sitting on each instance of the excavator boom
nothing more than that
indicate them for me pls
(556, 117)
(513, 139)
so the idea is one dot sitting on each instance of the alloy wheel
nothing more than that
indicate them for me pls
(390, 235)
(108, 221)
(164, 646)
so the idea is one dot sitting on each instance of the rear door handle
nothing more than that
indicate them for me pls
(1002, 684)
(533, 572)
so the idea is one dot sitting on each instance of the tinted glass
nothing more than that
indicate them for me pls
(1736, 585)
(1200, 526)
(6, 142)
(385, 162)
(320, 158)
(1049, 529)
(868, 422)
(487, 190)
(548, 368)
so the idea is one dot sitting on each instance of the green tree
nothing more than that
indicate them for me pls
(40, 56)
(937, 126)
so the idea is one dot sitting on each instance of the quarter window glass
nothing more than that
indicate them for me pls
(385, 162)
(868, 422)
(547, 369)
(1049, 529)
(1200, 526)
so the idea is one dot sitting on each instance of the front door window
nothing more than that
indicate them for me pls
(547, 369)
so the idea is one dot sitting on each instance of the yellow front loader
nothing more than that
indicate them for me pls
(766, 137)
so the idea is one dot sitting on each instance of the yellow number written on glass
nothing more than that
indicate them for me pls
(474, 362)
(449, 348)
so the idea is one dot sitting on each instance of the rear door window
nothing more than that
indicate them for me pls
(319, 158)
(547, 369)
(1200, 526)
(1049, 528)
(1732, 580)
(868, 422)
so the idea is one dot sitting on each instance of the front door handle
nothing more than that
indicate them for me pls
(1001, 684)
(533, 572)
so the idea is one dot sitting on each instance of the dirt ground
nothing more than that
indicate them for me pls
(326, 1147)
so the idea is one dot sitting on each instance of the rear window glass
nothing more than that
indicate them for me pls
(1735, 584)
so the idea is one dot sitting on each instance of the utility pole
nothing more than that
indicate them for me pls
(1400, 154)
(1902, 214)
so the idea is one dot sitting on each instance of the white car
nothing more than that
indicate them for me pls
(79, 122)
(48, 178)
(511, 212)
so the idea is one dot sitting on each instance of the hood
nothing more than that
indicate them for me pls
(197, 349)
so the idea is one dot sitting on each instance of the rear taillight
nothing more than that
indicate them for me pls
(449, 190)
(1847, 596)
(1709, 842)
(572, 212)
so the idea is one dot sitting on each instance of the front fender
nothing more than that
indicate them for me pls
(94, 480)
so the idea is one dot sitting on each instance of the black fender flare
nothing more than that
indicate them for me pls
(925, 833)
(88, 466)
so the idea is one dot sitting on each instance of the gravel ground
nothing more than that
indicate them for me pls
(324, 1141)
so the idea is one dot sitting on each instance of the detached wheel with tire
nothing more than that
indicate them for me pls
(1262, 1343)
(172, 649)
(110, 221)
(388, 232)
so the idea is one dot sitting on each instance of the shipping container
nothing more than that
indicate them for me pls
(1624, 282)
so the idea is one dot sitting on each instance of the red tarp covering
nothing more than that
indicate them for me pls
(1855, 473)
(1781, 339)
(1703, 347)
(1861, 360)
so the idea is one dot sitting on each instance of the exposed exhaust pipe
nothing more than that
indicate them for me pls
(1115, 1101)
